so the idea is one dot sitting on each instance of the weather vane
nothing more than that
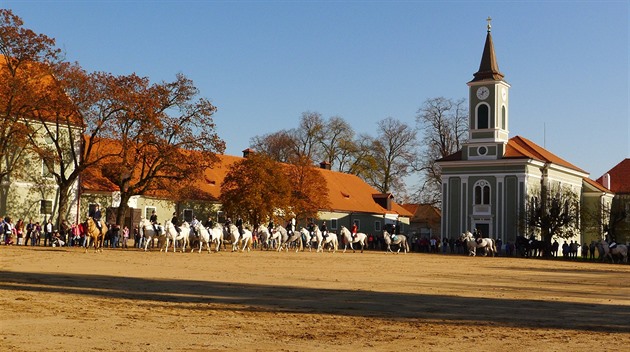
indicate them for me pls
(489, 25)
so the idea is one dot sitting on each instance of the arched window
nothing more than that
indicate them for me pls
(483, 117)
(503, 118)
(482, 192)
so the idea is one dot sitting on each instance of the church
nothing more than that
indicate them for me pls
(488, 184)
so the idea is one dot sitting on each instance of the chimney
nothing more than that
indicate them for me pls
(606, 181)
(324, 165)
(247, 151)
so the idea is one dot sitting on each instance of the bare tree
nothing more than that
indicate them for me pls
(444, 127)
(337, 135)
(391, 156)
(280, 146)
(309, 134)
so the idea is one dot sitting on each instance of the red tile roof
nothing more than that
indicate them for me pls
(346, 192)
(522, 148)
(596, 185)
(619, 177)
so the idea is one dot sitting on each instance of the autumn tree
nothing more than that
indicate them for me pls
(281, 146)
(256, 188)
(23, 51)
(443, 126)
(309, 192)
(158, 128)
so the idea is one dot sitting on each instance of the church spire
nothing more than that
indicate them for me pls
(488, 69)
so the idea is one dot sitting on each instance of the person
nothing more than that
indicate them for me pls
(30, 227)
(125, 236)
(311, 228)
(478, 236)
(193, 226)
(270, 226)
(19, 231)
(9, 229)
(154, 221)
(57, 241)
(115, 235)
(324, 229)
(210, 223)
(291, 226)
(48, 233)
(353, 230)
(239, 225)
(97, 218)
(175, 222)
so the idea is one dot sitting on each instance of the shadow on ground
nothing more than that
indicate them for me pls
(257, 298)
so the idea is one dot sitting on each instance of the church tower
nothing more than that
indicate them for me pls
(488, 108)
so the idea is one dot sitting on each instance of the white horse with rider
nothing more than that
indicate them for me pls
(472, 243)
(287, 238)
(330, 238)
(237, 239)
(359, 238)
(173, 236)
(204, 237)
(147, 231)
(263, 235)
(395, 239)
(308, 239)
(618, 250)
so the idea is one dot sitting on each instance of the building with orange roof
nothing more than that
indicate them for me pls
(487, 184)
(350, 199)
(426, 220)
(617, 180)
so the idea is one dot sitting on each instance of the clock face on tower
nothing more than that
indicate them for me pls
(504, 93)
(483, 93)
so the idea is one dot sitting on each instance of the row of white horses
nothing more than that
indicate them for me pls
(283, 239)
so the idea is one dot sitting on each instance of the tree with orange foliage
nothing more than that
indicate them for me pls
(20, 49)
(256, 188)
(309, 192)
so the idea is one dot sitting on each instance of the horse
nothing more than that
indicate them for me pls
(358, 238)
(236, 238)
(94, 235)
(620, 249)
(216, 236)
(322, 241)
(487, 243)
(172, 235)
(263, 235)
(400, 241)
(285, 239)
(204, 237)
(146, 231)
(307, 238)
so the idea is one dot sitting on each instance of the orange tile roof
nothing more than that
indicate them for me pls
(619, 177)
(597, 186)
(346, 192)
(522, 148)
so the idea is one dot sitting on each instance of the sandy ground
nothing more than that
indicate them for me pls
(62, 299)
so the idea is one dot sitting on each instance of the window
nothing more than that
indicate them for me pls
(45, 206)
(482, 150)
(503, 117)
(482, 192)
(148, 211)
(188, 215)
(333, 224)
(46, 171)
(220, 216)
(483, 117)
(377, 226)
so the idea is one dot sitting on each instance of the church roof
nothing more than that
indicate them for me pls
(488, 68)
(522, 148)
(619, 177)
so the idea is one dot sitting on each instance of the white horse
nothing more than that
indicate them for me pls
(360, 238)
(172, 235)
(322, 241)
(620, 249)
(263, 235)
(399, 240)
(148, 232)
(216, 236)
(472, 244)
(307, 238)
(236, 238)
(285, 239)
(204, 237)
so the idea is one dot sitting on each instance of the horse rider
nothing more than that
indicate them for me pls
(239, 225)
(97, 218)
(353, 230)
(175, 222)
(291, 227)
(210, 223)
(270, 226)
(478, 236)
(154, 221)
(193, 225)
(324, 230)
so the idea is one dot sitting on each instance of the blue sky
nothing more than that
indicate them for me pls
(263, 63)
